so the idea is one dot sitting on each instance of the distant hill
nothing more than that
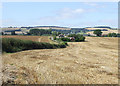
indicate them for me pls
(105, 30)
(102, 27)
(53, 27)
(98, 28)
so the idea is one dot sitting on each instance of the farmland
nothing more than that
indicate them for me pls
(92, 62)
(103, 32)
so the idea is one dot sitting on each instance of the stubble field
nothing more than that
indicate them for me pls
(92, 62)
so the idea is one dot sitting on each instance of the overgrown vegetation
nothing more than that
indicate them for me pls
(11, 45)
(65, 39)
(112, 35)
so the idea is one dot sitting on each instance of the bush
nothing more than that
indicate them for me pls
(13, 33)
(54, 37)
(98, 32)
(118, 35)
(10, 45)
(66, 43)
(65, 39)
(112, 35)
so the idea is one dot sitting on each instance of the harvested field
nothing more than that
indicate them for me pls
(33, 38)
(104, 32)
(92, 62)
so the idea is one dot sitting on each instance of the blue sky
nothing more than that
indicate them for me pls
(68, 14)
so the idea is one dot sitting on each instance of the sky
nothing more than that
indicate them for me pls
(66, 14)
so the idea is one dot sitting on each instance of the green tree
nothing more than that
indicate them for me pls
(118, 35)
(13, 33)
(98, 32)
(112, 35)
(39, 31)
(2, 33)
(54, 37)
(28, 33)
(78, 37)
(54, 33)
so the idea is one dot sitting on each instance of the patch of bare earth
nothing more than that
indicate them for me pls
(92, 62)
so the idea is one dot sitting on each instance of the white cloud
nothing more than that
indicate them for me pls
(91, 3)
(69, 13)
(94, 4)
(78, 11)
(61, 16)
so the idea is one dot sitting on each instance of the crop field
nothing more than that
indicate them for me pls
(33, 38)
(103, 32)
(92, 62)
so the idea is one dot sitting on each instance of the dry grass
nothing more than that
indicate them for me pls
(92, 62)
(33, 38)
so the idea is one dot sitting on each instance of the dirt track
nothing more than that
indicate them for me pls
(92, 62)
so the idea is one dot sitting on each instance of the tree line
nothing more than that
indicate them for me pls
(98, 32)
(39, 32)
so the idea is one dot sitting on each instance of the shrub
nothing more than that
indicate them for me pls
(66, 43)
(112, 35)
(65, 39)
(118, 35)
(10, 45)
(54, 37)
(98, 32)
(62, 45)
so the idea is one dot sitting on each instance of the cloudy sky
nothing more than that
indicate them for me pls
(68, 14)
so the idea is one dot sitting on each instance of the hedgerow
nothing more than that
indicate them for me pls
(11, 45)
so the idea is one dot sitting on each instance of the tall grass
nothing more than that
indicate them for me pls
(11, 45)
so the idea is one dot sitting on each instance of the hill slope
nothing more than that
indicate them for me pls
(92, 62)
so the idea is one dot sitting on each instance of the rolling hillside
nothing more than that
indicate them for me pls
(92, 62)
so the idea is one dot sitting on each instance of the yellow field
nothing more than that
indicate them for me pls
(103, 32)
(97, 28)
(92, 62)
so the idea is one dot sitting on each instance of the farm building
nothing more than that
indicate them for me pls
(61, 36)
(71, 38)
